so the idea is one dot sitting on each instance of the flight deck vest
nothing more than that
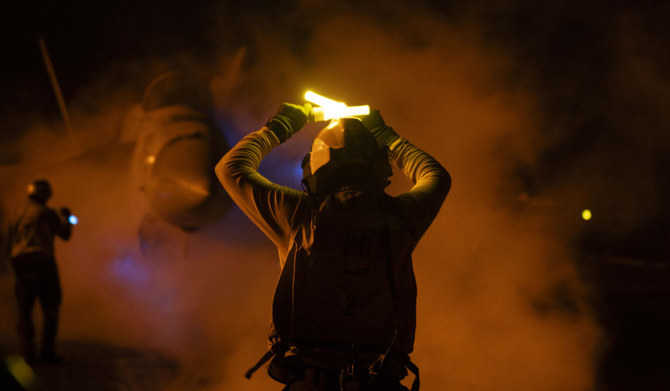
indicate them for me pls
(348, 281)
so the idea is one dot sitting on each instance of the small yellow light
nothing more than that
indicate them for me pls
(586, 214)
(20, 370)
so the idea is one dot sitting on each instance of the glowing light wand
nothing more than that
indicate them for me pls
(331, 108)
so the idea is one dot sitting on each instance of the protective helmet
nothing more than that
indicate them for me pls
(345, 153)
(40, 190)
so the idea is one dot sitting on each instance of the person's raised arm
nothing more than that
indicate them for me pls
(431, 181)
(269, 205)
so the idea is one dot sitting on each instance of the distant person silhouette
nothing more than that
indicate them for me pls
(30, 232)
(344, 310)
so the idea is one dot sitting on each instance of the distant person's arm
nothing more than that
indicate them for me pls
(60, 222)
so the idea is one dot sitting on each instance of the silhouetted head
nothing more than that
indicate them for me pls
(40, 190)
(345, 154)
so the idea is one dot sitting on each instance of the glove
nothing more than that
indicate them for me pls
(385, 135)
(289, 120)
(65, 211)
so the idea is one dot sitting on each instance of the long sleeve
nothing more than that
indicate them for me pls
(270, 206)
(431, 184)
(33, 229)
(60, 225)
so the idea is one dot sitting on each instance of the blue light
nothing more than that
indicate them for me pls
(297, 172)
(130, 271)
(73, 219)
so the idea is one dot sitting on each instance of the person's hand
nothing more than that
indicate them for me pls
(288, 120)
(65, 211)
(385, 135)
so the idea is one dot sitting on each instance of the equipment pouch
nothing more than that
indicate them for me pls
(286, 368)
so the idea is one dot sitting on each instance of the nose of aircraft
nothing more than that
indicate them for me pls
(182, 187)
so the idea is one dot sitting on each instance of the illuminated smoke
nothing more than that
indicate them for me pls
(501, 305)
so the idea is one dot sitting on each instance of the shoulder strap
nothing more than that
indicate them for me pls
(415, 370)
(266, 357)
(277, 349)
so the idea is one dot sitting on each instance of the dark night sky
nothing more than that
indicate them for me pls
(595, 73)
(599, 70)
(85, 39)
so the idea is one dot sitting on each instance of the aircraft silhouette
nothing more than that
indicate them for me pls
(177, 146)
(169, 144)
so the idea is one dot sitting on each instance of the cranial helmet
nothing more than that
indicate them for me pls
(345, 153)
(39, 190)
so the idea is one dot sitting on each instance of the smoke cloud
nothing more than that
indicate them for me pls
(501, 303)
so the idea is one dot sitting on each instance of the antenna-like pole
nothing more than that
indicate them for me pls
(56, 86)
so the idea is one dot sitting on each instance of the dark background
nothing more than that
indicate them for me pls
(599, 71)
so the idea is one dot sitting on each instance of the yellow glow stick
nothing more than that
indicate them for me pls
(333, 109)
(330, 112)
(321, 100)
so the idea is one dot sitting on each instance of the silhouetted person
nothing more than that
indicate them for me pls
(344, 310)
(31, 233)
